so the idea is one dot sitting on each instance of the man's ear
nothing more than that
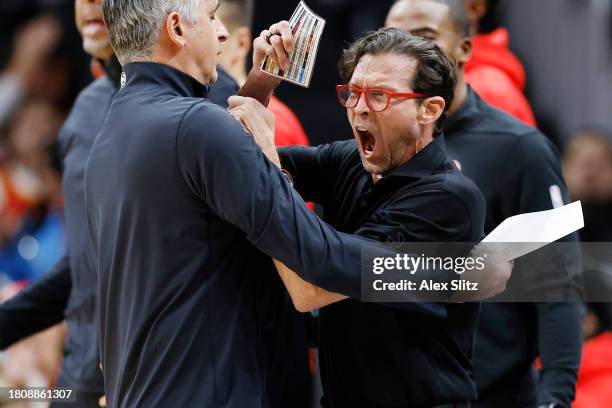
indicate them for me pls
(174, 30)
(243, 40)
(430, 110)
(464, 51)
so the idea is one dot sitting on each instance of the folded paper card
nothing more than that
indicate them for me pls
(307, 30)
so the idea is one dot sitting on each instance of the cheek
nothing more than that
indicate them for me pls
(396, 129)
(350, 114)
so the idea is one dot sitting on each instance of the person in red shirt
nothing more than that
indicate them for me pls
(494, 72)
(595, 375)
(237, 16)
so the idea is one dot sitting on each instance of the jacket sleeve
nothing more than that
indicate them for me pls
(560, 343)
(313, 169)
(552, 273)
(37, 307)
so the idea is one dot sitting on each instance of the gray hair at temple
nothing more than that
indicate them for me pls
(134, 25)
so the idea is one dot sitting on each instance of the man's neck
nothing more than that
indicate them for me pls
(461, 92)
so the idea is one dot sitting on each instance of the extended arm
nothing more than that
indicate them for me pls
(305, 295)
(37, 307)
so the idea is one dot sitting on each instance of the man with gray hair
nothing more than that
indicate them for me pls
(179, 202)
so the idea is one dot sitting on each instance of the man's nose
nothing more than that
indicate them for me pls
(222, 33)
(362, 106)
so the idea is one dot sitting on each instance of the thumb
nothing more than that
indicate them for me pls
(235, 100)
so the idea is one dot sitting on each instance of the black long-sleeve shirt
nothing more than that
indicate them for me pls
(37, 307)
(518, 170)
(374, 355)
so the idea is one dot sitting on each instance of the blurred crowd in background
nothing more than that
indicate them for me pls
(565, 47)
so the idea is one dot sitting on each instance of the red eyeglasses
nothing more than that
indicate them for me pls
(377, 99)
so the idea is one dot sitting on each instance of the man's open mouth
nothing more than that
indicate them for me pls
(367, 142)
(93, 26)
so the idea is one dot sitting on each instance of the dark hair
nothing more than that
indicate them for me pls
(435, 73)
(238, 13)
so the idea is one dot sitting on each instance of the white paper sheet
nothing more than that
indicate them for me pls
(531, 231)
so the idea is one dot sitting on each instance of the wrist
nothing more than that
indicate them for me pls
(259, 86)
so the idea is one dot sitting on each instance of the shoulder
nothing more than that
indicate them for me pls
(344, 157)
(206, 125)
(89, 109)
(455, 200)
(535, 144)
(464, 190)
(336, 154)
(443, 207)
(97, 93)
(100, 89)
(498, 125)
(205, 116)
(344, 148)
(494, 120)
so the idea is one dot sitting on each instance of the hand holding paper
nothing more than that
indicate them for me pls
(306, 28)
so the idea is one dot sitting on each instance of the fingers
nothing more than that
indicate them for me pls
(278, 50)
(263, 46)
(235, 101)
(277, 43)
(284, 30)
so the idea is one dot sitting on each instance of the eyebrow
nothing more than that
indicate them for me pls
(423, 30)
(216, 8)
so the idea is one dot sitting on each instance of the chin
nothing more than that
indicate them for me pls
(98, 49)
(214, 77)
(370, 167)
(210, 77)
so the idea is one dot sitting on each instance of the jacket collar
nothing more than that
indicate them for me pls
(467, 112)
(112, 68)
(164, 75)
(425, 162)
